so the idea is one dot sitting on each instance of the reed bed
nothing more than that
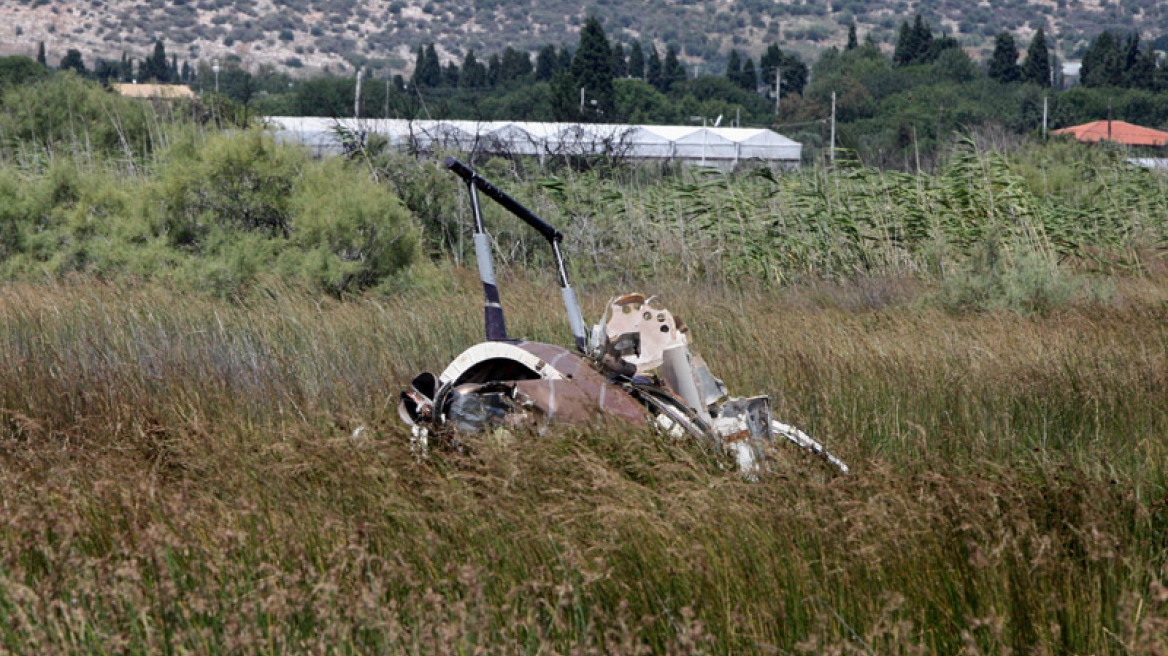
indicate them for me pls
(181, 474)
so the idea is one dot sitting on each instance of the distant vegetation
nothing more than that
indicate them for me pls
(893, 109)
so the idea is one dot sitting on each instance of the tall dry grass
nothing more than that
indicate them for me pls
(185, 475)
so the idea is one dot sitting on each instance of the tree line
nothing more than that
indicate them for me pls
(889, 105)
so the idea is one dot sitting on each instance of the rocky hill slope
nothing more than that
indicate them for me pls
(336, 35)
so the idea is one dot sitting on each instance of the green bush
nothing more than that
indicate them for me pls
(231, 181)
(354, 232)
(215, 214)
(66, 114)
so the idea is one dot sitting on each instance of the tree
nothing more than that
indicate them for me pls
(794, 71)
(155, 66)
(914, 45)
(620, 65)
(514, 64)
(923, 40)
(1003, 64)
(1036, 66)
(494, 70)
(451, 74)
(853, 41)
(474, 74)
(1143, 73)
(564, 98)
(72, 62)
(1101, 62)
(653, 70)
(636, 61)
(672, 71)
(427, 68)
(734, 67)
(546, 63)
(749, 79)
(592, 68)
(18, 70)
(125, 68)
(564, 59)
(40, 57)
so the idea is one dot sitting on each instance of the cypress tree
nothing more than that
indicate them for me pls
(793, 69)
(749, 79)
(853, 41)
(546, 63)
(419, 65)
(433, 66)
(494, 70)
(653, 71)
(564, 97)
(1129, 59)
(564, 59)
(902, 55)
(620, 65)
(474, 74)
(515, 64)
(1003, 65)
(636, 61)
(1036, 66)
(450, 75)
(672, 71)
(41, 54)
(922, 41)
(1100, 61)
(734, 68)
(157, 67)
(1142, 74)
(592, 67)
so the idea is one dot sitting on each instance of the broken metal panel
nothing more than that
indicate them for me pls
(639, 333)
(579, 401)
(506, 351)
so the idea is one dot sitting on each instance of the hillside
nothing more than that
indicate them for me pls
(336, 34)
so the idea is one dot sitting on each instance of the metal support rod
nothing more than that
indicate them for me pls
(475, 181)
(494, 324)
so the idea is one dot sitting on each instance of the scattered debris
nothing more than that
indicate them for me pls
(635, 365)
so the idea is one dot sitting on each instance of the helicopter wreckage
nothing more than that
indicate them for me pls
(635, 365)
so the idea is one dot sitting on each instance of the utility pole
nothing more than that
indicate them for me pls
(1109, 120)
(778, 88)
(1044, 114)
(833, 128)
(581, 101)
(357, 95)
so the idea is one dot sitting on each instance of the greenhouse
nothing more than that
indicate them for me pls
(704, 146)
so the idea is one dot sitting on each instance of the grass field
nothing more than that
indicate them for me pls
(180, 474)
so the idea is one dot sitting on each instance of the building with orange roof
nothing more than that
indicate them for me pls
(1120, 132)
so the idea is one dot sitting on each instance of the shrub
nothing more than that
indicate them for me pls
(232, 181)
(354, 232)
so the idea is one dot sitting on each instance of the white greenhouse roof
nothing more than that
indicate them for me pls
(707, 145)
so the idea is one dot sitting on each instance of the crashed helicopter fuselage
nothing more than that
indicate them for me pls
(635, 365)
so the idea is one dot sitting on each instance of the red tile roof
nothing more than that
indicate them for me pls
(1117, 131)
